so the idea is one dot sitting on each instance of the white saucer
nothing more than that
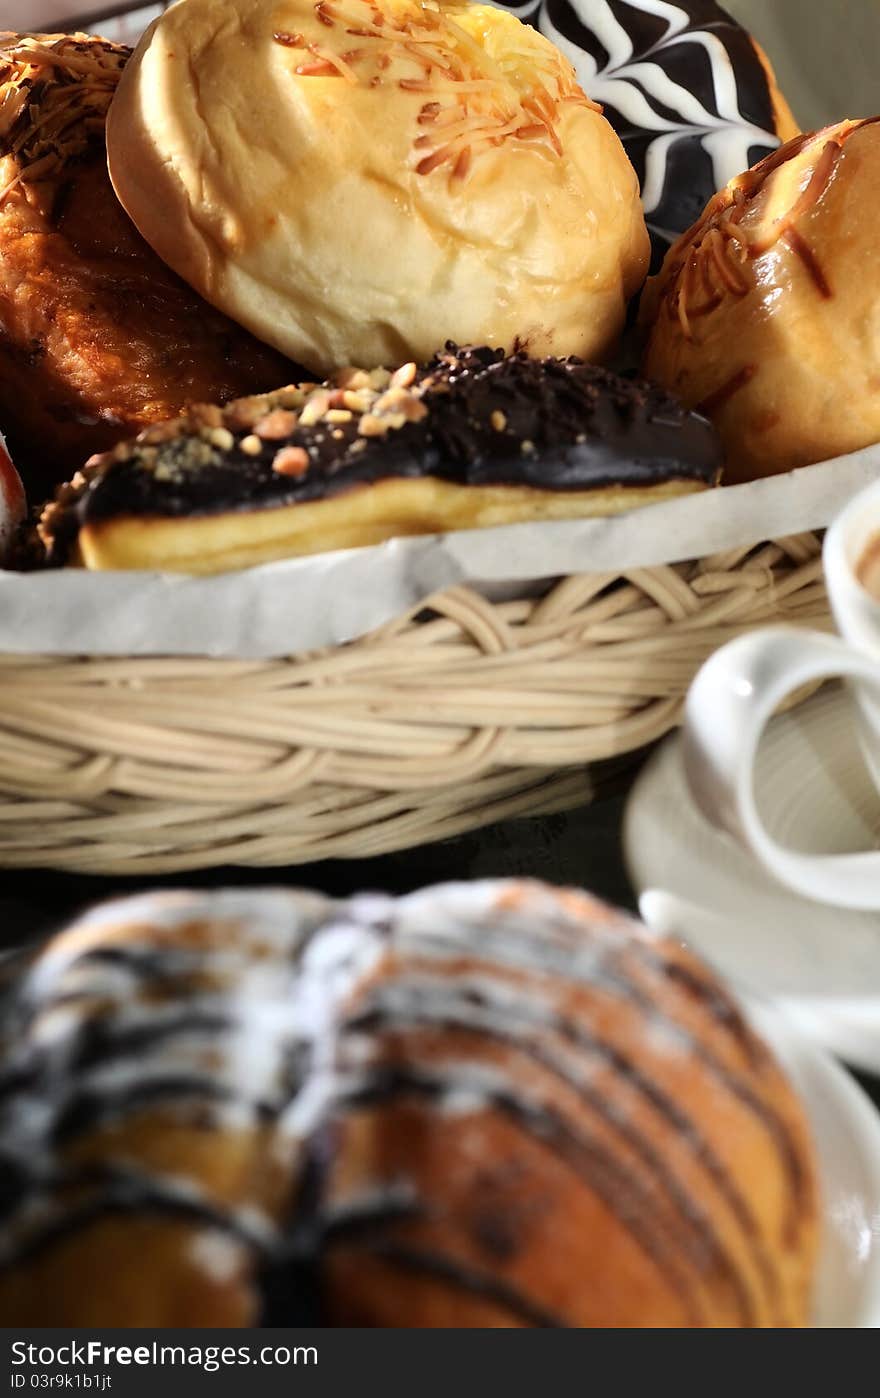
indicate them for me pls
(846, 1131)
(815, 795)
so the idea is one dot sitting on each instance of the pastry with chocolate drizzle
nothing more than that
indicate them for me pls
(689, 90)
(763, 316)
(493, 1104)
(472, 438)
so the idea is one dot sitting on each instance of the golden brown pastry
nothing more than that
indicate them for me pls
(765, 315)
(471, 439)
(97, 336)
(357, 180)
(480, 1105)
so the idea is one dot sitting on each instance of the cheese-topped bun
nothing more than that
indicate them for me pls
(765, 315)
(357, 180)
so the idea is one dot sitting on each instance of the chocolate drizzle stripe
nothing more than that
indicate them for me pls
(511, 949)
(693, 1221)
(660, 78)
(121, 1197)
(729, 389)
(452, 1273)
(616, 1186)
(801, 248)
(86, 1110)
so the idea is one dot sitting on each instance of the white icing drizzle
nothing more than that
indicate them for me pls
(636, 85)
(245, 1006)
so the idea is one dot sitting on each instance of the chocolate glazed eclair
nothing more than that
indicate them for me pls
(473, 438)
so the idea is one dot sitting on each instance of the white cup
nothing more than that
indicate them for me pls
(739, 689)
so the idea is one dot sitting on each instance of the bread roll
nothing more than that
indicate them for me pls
(358, 180)
(766, 316)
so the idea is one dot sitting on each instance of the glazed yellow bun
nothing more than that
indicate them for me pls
(765, 315)
(358, 181)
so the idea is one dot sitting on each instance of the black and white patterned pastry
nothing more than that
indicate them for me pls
(688, 91)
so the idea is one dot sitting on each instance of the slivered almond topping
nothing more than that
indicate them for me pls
(251, 446)
(318, 68)
(462, 165)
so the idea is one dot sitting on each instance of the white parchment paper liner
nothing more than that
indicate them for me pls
(283, 608)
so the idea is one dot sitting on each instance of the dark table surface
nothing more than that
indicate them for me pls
(581, 848)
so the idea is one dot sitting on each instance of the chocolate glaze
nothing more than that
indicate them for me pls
(682, 128)
(567, 426)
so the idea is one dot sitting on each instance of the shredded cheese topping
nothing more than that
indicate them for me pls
(474, 99)
(55, 91)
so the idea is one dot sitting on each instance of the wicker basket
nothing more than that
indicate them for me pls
(463, 714)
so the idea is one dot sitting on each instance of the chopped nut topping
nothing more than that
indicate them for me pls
(315, 408)
(414, 410)
(207, 414)
(393, 420)
(358, 401)
(391, 400)
(251, 446)
(404, 376)
(338, 415)
(289, 397)
(221, 438)
(379, 378)
(160, 432)
(527, 447)
(351, 378)
(371, 426)
(291, 461)
(244, 412)
(276, 425)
